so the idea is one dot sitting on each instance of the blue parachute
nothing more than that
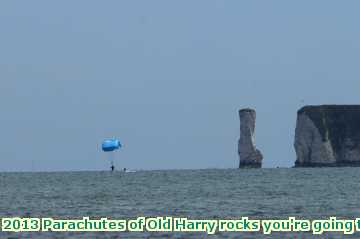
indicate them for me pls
(110, 145)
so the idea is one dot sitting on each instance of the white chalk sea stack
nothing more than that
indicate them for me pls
(250, 157)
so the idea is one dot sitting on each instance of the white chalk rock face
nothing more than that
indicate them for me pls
(310, 147)
(328, 135)
(250, 157)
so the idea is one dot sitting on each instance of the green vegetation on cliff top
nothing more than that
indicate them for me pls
(338, 123)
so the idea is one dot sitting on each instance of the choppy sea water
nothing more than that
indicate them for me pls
(196, 194)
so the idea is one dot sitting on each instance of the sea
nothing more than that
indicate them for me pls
(263, 194)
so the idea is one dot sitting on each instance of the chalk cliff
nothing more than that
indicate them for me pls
(328, 135)
(250, 157)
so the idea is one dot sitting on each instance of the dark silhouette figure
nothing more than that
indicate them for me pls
(112, 168)
(124, 169)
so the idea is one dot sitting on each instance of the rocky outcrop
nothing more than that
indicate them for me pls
(250, 157)
(328, 135)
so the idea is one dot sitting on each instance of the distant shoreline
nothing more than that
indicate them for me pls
(167, 170)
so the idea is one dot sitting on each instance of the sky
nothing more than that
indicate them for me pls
(167, 78)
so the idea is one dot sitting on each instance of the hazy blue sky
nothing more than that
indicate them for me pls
(167, 78)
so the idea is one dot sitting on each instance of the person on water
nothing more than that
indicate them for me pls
(112, 167)
(124, 169)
